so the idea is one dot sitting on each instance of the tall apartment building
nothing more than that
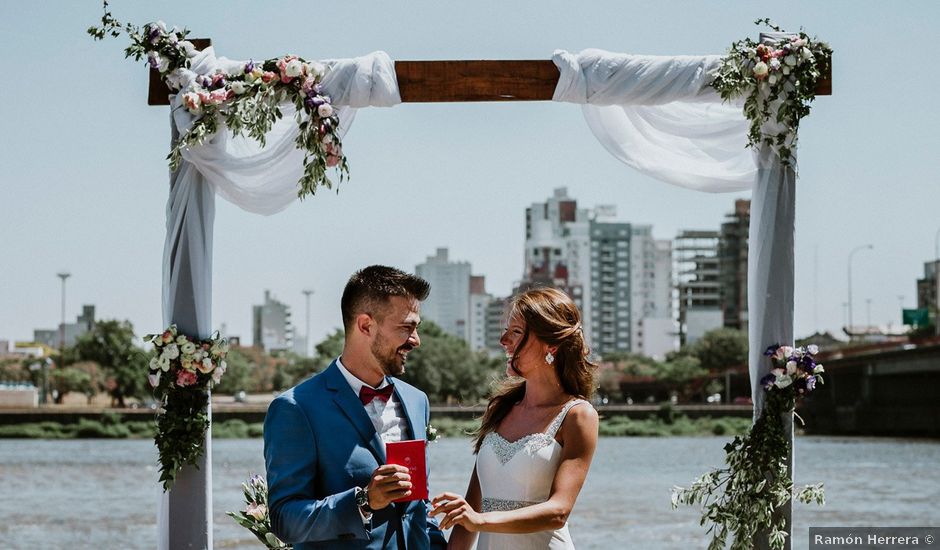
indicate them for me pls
(611, 274)
(732, 252)
(83, 323)
(271, 325)
(698, 282)
(928, 288)
(653, 327)
(479, 301)
(448, 304)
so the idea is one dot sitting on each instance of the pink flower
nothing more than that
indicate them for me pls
(282, 65)
(167, 337)
(185, 378)
(257, 511)
(332, 160)
(308, 85)
(268, 76)
(219, 96)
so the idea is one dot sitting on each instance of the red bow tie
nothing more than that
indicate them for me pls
(367, 394)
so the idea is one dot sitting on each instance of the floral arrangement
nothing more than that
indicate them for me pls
(431, 434)
(743, 499)
(182, 371)
(246, 99)
(778, 82)
(255, 516)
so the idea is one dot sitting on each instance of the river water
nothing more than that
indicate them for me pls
(102, 494)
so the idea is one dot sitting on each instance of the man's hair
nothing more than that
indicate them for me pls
(369, 290)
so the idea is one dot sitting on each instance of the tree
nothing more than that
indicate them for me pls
(65, 380)
(720, 349)
(237, 375)
(447, 370)
(110, 344)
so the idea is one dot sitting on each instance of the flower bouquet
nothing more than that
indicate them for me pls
(182, 371)
(744, 498)
(255, 516)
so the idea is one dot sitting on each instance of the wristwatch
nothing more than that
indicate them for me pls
(362, 499)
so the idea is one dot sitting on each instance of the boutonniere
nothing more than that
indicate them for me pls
(431, 434)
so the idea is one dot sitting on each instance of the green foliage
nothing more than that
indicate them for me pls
(720, 349)
(445, 368)
(70, 379)
(237, 374)
(743, 499)
(746, 71)
(110, 344)
(181, 429)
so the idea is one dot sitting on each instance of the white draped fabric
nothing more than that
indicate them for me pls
(656, 114)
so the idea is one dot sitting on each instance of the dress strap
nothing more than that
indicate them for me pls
(556, 423)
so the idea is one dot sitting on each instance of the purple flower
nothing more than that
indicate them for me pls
(250, 66)
(771, 350)
(154, 34)
(768, 380)
(810, 383)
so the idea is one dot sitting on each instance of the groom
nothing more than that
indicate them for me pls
(324, 439)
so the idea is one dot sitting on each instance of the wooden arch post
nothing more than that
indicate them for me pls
(418, 82)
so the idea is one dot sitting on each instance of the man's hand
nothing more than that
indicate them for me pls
(389, 482)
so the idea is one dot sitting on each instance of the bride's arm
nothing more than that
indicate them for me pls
(461, 538)
(579, 434)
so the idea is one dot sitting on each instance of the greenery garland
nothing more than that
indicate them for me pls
(778, 81)
(246, 99)
(744, 498)
(182, 371)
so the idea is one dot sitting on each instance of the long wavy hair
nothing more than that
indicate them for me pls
(553, 318)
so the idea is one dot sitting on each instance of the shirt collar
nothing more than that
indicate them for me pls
(354, 382)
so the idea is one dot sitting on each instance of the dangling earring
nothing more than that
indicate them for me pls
(549, 358)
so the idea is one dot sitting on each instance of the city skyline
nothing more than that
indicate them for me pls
(87, 184)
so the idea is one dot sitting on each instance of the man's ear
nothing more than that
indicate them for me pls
(365, 324)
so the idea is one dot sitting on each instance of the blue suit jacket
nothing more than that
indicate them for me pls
(319, 445)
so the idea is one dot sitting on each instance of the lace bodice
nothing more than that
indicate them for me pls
(515, 474)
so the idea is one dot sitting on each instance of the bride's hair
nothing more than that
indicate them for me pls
(553, 318)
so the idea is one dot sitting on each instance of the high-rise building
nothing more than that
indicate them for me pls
(732, 252)
(697, 267)
(611, 274)
(653, 327)
(271, 325)
(496, 312)
(83, 323)
(448, 303)
(928, 288)
(479, 300)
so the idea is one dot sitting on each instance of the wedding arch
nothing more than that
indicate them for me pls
(662, 115)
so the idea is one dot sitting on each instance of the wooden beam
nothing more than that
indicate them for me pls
(461, 81)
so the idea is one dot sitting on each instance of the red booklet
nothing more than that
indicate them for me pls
(411, 455)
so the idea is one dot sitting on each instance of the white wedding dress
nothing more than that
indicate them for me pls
(517, 474)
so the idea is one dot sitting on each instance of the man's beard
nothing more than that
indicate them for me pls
(392, 363)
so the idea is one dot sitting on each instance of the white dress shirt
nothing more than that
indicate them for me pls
(387, 417)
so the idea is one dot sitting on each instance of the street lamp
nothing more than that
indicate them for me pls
(62, 275)
(852, 253)
(307, 293)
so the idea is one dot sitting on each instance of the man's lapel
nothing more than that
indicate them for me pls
(349, 403)
(410, 408)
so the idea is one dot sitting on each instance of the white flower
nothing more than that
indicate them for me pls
(205, 366)
(775, 64)
(807, 54)
(786, 70)
(327, 139)
(164, 364)
(154, 379)
(782, 381)
(818, 369)
(791, 367)
(188, 48)
(171, 352)
(761, 69)
(218, 372)
(155, 363)
(325, 110)
(198, 355)
(787, 351)
(181, 339)
(813, 349)
(294, 68)
(790, 60)
(315, 68)
(188, 348)
(161, 25)
(772, 79)
(238, 87)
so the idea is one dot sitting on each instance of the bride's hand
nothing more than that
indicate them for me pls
(456, 511)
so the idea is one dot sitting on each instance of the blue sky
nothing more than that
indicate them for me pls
(84, 180)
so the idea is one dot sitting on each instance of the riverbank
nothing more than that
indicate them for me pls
(111, 425)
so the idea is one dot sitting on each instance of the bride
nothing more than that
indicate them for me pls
(537, 437)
